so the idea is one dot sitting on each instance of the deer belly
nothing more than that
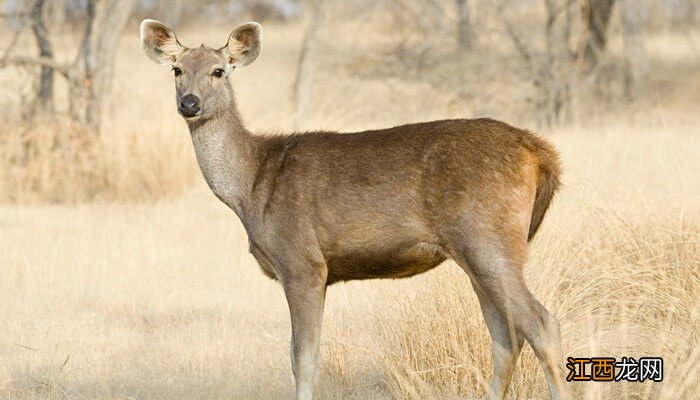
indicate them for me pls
(391, 263)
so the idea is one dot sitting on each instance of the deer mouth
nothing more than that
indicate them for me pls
(192, 118)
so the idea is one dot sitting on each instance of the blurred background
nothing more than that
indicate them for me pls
(74, 66)
(121, 276)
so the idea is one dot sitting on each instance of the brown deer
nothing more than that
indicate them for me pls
(326, 207)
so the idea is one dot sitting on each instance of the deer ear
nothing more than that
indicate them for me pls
(159, 42)
(244, 45)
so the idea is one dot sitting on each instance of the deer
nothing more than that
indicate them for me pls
(324, 207)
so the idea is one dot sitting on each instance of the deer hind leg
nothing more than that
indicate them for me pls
(506, 345)
(495, 272)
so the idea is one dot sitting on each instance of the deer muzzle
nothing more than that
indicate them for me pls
(189, 106)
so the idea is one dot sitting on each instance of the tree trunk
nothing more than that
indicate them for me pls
(306, 67)
(597, 14)
(636, 61)
(45, 90)
(464, 28)
(105, 23)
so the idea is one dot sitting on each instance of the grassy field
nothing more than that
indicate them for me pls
(159, 299)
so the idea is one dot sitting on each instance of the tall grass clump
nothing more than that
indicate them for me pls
(621, 284)
(68, 163)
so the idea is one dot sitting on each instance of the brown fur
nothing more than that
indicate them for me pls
(325, 207)
(440, 166)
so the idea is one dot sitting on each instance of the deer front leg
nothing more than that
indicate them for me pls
(305, 298)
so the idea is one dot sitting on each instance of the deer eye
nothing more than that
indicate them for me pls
(177, 71)
(218, 72)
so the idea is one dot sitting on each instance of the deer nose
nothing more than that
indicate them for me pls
(189, 106)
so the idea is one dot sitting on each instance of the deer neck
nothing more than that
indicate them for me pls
(226, 154)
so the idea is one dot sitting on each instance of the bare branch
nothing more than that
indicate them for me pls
(14, 15)
(41, 34)
(61, 68)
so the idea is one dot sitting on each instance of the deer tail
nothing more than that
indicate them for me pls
(547, 185)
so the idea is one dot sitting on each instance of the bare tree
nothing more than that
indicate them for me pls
(32, 13)
(89, 75)
(306, 66)
(45, 90)
(106, 20)
(597, 18)
(636, 64)
(551, 67)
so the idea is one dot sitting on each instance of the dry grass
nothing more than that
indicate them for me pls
(161, 300)
(69, 164)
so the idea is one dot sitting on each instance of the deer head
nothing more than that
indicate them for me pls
(202, 89)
